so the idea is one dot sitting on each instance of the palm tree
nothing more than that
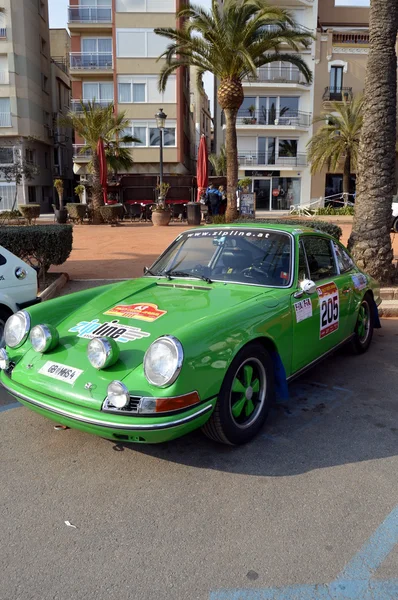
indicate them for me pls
(219, 162)
(95, 123)
(232, 41)
(337, 141)
(370, 240)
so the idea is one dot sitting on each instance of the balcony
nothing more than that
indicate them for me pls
(278, 75)
(4, 78)
(77, 105)
(79, 156)
(3, 33)
(273, 118)
(91, 61)
(351, 39)
(337, 94)
(89, 17)
(5, 119)
(254, 159)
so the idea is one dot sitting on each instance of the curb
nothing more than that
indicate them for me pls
(54, 288)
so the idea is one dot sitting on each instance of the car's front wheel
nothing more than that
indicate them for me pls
(245, 397)
(363, 333)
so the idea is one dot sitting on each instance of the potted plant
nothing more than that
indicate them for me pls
(252, 112)
(245, 184)
(161, 214)
(79, 191)
(61, 214)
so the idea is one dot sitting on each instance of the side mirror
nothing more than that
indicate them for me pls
(308, 286)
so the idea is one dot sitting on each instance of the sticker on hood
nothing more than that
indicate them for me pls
(142, 312)
(112, 329)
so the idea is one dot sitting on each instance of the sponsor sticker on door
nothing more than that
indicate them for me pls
(329, 308)
(142, 312)
(60, 372)
(303, 310)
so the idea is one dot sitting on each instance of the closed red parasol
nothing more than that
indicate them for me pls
(202, 167)
(103, 168)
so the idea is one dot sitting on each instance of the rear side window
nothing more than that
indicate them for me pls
(320, 258)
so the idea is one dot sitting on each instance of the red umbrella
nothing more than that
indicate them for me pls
(103, 168)
(202, 168)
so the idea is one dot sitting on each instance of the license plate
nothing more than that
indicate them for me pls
(60, 372)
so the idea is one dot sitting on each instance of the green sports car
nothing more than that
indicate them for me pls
(216, 327)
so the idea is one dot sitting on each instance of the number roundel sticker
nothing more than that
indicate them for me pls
(329, 308)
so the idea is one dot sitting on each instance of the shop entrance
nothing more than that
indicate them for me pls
(262, 189)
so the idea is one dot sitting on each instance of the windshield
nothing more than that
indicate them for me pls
(251, 256)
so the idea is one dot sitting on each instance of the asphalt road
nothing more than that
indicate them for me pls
(194, 520)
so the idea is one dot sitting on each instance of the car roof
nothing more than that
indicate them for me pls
(293, 229)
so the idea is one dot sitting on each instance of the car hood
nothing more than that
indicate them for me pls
(134, 313)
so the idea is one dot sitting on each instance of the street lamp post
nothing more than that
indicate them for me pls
(161, 122)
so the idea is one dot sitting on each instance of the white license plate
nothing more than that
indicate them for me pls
(60, 372)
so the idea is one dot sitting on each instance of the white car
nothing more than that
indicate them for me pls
(395, 216)
(18, 286)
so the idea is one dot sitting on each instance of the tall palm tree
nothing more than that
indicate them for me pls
(370, 240)
(337, 141)
(95, 123)
(232, 41)
(219, 162)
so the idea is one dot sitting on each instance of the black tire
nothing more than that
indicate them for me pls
(364, 327)
(252, 408)
(395, 225)
(5, 313)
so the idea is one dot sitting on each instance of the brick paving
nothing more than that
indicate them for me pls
(105, 252)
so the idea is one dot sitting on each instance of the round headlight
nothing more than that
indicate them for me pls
(102, 352)
(44, 338)
(118, 394)
(163, 361)
(17, 329)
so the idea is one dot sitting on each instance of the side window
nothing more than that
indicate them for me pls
(343, 259)
(303, 269)
(320, 258)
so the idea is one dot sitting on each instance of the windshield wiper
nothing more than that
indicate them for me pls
(185, 274)
(148, 271)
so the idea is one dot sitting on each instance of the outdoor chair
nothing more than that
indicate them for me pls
(134, 211)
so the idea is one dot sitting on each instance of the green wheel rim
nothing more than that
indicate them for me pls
(248, 393)
(363, 323)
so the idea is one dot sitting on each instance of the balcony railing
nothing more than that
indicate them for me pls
(90, 14)
(4, 77)
(5, 120)
(361, 39)
(337, 94)
(77, 152)
(289, 118)
(77, 105)
(61, 62)
(91, 61)
(269, 159)
(3, 33)
(279, 75)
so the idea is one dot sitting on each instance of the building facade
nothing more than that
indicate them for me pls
(201, 119)
(113, 58)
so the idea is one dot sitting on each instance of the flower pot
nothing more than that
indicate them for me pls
(160, 218)
(61, 215)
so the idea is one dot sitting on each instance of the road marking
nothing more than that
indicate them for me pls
(353, 583)
(10, 406)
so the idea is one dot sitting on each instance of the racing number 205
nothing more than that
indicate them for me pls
(329, 310)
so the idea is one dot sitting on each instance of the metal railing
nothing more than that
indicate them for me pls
(77, 105)
(5, 119)
(89, 14)
(77, 151)
(3, 32)
(4, 77)
(61, 62)
(337, 94)
(91, 60)
(264, 158)
(281, 118)
(279, 75)
(351, 38)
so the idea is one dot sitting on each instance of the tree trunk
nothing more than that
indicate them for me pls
(346, 177)
(97, 192)
(370, 240)
(231, 144)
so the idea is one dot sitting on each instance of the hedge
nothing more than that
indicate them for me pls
(29, 211)
(324, 226)
(39, 245)
(77, 211)
(111, 212)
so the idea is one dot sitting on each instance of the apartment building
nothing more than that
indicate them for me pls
(25, 100)
(113, 58)
(201, 119)
(341, 55)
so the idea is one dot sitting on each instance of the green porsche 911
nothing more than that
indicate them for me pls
(223, 319)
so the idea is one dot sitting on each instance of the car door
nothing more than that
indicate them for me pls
(319, 319)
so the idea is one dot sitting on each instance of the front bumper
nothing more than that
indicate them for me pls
(111, 426)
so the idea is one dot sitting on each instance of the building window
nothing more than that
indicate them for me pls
(336, 83)
(144, 88)
(149, 135)
(142, 6)
(43, 46)
(44, 83)
(6, 156)
(5, 112)
(42, 8)
(135, 43)
(101, 92)
(32, 194)
(97, 45)
(30, 156)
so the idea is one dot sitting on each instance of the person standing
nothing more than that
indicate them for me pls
(213, 197)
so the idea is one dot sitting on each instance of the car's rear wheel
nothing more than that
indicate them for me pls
(5, 313)
(395, 225)
(245, 397)
(364, 328)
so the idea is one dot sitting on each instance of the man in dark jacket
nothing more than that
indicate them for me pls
(213, 197)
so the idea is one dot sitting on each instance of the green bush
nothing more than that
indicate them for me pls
(30, 211)
(39, 245)
(218, 219)
(9, 215)
(76, 211)
(111, 213)
(324, 226)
